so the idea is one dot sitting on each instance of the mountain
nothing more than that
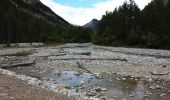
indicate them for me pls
(38, 10)
(27, 21)
(92, 24)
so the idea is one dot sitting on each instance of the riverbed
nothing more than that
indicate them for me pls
(87, 71)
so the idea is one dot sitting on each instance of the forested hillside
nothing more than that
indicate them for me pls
(31, 21)
(127, 25)
(130, 26)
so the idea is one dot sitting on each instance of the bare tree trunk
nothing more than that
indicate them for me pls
(16, 65)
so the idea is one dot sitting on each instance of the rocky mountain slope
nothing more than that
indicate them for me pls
(38, 10)
(92, 24)
(27, 21)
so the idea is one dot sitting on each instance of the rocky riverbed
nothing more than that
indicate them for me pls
(87, 71)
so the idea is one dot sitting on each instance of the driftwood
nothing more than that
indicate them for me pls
(91, 59)
(61, 54)
(83, 53)
(81, 66)
(155, 73)
(88, 71)
(16, 65)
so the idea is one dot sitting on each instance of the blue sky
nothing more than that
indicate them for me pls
(78, 3)
(80, 12)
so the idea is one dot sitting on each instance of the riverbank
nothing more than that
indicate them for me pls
(12, 88)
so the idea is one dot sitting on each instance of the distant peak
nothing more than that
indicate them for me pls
(94, 20)
(92, 24)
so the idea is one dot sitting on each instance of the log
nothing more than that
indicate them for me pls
(16, 65)
(88, 71)
(83, 53)
(159, 74)
(62, 54)
(81, 66)
(91, 59)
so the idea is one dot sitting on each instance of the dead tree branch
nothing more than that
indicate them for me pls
(16, 65)
(114, 59)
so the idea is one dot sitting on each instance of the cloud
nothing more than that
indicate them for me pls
(81, 16)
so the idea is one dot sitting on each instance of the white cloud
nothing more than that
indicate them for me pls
(81, 16)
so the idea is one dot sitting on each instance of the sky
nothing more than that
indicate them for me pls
(80, 12)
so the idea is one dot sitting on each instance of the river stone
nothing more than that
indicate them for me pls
(131, 95)
(102, 98)
(91, 93)
(159, 72)
(162, 94)
(168, 91)
(123, 79)
(155, 87)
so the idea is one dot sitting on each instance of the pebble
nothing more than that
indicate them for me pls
(168, 91)
(146, 95)
(98, 76)
(123, 79)
(118, 79)
(12, 98)
(102, 98)
(131, 95)
(150, 80)
(162, 94)
(103, 89)
(115, 96)
(98, 89)
(155, 87)
(164, 66)
(91, 93)
(102, 93)
(3, 94)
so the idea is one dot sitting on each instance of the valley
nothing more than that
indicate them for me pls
(87, 71)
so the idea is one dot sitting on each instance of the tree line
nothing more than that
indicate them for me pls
(128, 26)
(17, 26)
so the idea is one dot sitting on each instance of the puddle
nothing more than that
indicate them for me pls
(112, 86)
(125, 88)
(118, 87)
(71, 78)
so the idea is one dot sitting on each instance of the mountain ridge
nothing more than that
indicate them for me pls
(28, 21)
(37, 9)
(92, 24)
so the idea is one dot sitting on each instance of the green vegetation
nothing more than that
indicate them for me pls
(125, 26)
(20, 23)
(130, 26)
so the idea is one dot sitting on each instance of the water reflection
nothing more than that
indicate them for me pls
(125, 88)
